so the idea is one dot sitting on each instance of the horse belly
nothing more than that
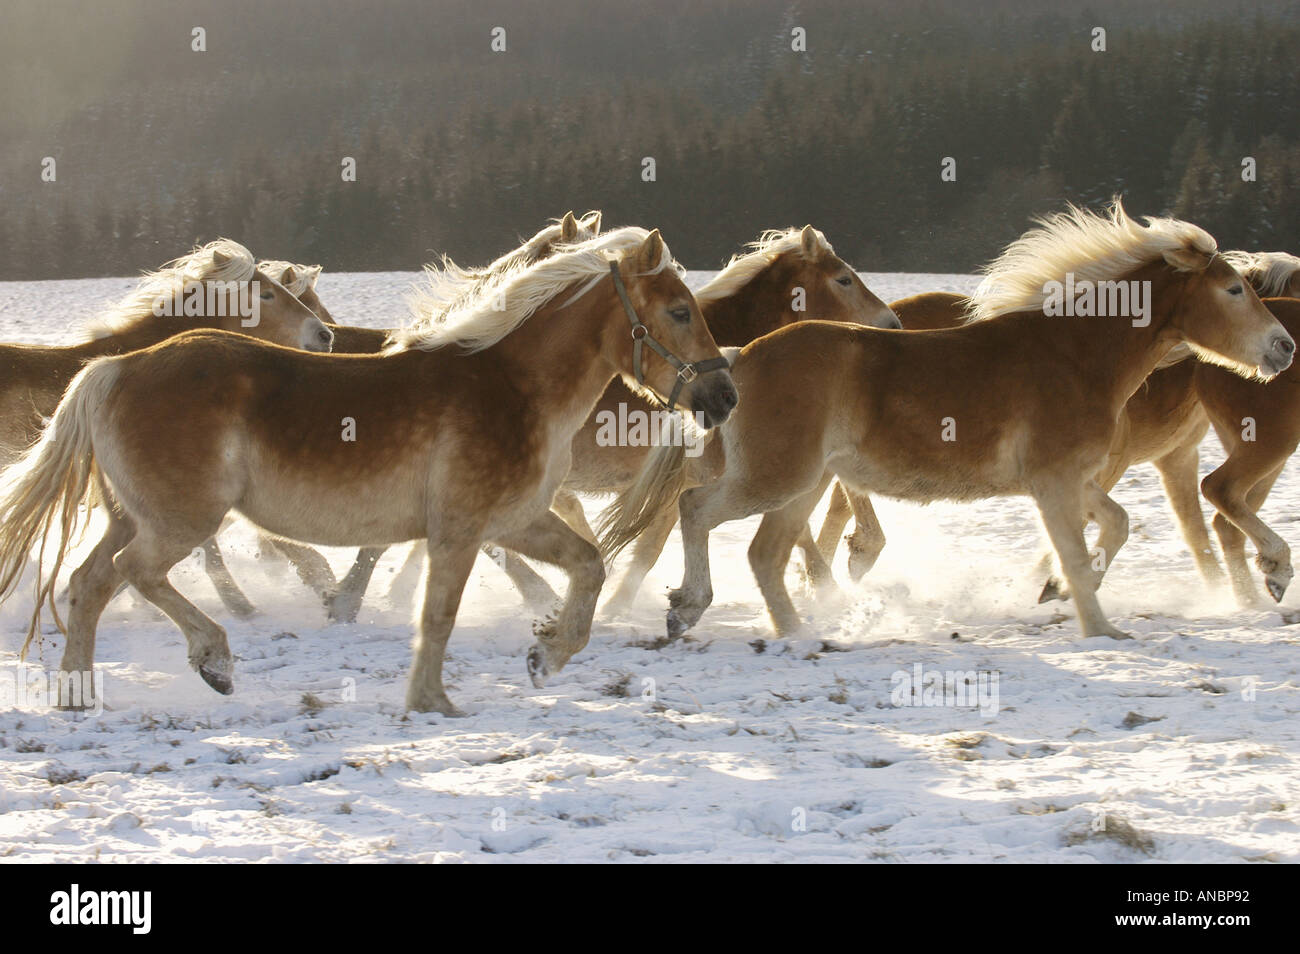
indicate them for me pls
(380, 510)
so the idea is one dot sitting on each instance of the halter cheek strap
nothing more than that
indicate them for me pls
(686, 372)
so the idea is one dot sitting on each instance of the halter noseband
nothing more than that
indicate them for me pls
(686, 373)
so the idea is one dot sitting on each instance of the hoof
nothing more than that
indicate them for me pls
(219, 679)
(1276, 588)
(1111, 631)
(677, 626)
(537, 670)
(341, 611)
(1053, 590)
(439, 704)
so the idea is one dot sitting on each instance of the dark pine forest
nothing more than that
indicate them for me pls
(460, 149)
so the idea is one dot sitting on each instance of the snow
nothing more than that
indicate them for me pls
(1180, 745)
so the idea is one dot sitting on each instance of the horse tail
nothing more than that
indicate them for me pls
(657, 486)
(47, 485)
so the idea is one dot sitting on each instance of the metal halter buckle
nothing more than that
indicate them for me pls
(687, 373)
(639, 332)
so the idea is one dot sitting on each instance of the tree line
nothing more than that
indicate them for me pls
(460, 148)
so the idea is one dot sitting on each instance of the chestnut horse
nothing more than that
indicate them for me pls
(1259, 427)
(1163, 423)
(34, 377)
(463, 433)
(1012, 403)
(446, 287)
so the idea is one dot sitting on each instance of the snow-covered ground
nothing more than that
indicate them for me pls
(1180, 745)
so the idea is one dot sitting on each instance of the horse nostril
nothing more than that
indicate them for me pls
(1285, 345)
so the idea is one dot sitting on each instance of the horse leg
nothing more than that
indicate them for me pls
(867, 539)
(92, 586)
(815, 563)
(569, 506)
(343, 604)
(645, 554)
(1061, 508)
(1112, 520)
(769, 552)
(404, 579)
(1237, 489)
(551, 540)
(701, 509)
(1178, 473)
(446, 572)
(537, 593)
(311, 567)
(232, 597)
(144, 563)
(837, 518)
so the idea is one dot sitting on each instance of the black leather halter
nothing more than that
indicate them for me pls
(686, 373)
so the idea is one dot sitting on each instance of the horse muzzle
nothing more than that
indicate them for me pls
(1281, 352)
(714, 402)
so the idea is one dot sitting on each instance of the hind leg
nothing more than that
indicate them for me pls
(232, 597)
(144, 563)
(344, 601)
(867, 539)
(1112, 520)
(1178, 473)
(311, 567)
(551, 540)
(569, 506)
(90, 589)
(769, 552)
(1062, 508)
(451, 559)
(837, 518)
(1237, 490)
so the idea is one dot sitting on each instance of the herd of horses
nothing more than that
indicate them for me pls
(475, 426)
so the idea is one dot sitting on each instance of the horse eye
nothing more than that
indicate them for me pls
(268, 296)
(681, 314)
(1235, 290)
(844, 280)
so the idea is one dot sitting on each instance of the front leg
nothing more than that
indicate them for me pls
(1061, 507)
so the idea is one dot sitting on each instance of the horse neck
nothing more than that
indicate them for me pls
(1110, 349)
(562, 357)
(747, 313)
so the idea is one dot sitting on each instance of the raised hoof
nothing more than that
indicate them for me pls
(1053, 590)
(240, 608)
(537, 670)
(220, 680)
(1276, 588)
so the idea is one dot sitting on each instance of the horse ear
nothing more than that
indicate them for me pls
(591, 221)
(809, 244)
(313, 273)
(220, 258)
(568, 229)
(1188, 259)
(650, 253)
(288, 276)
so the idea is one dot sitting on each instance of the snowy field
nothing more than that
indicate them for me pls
(1180, 745)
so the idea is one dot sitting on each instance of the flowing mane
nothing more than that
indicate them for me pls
(1269, 272)
(304, 276)
(1094, 246)
(448, 286)
(198, 266)
(493, 309)
(742, 268)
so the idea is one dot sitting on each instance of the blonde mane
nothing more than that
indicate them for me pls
(742, 268)
(494, 309)
(198, 266)
(304, 276)
(1269, 272)
(1094, 246)
(448, 286)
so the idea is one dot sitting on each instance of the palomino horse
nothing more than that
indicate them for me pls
(447, 287)
(1259, 426)
(34, 377)
(1163, 423)
(444, 287)
(786, 276)
(463, 433)
(1015, 402)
